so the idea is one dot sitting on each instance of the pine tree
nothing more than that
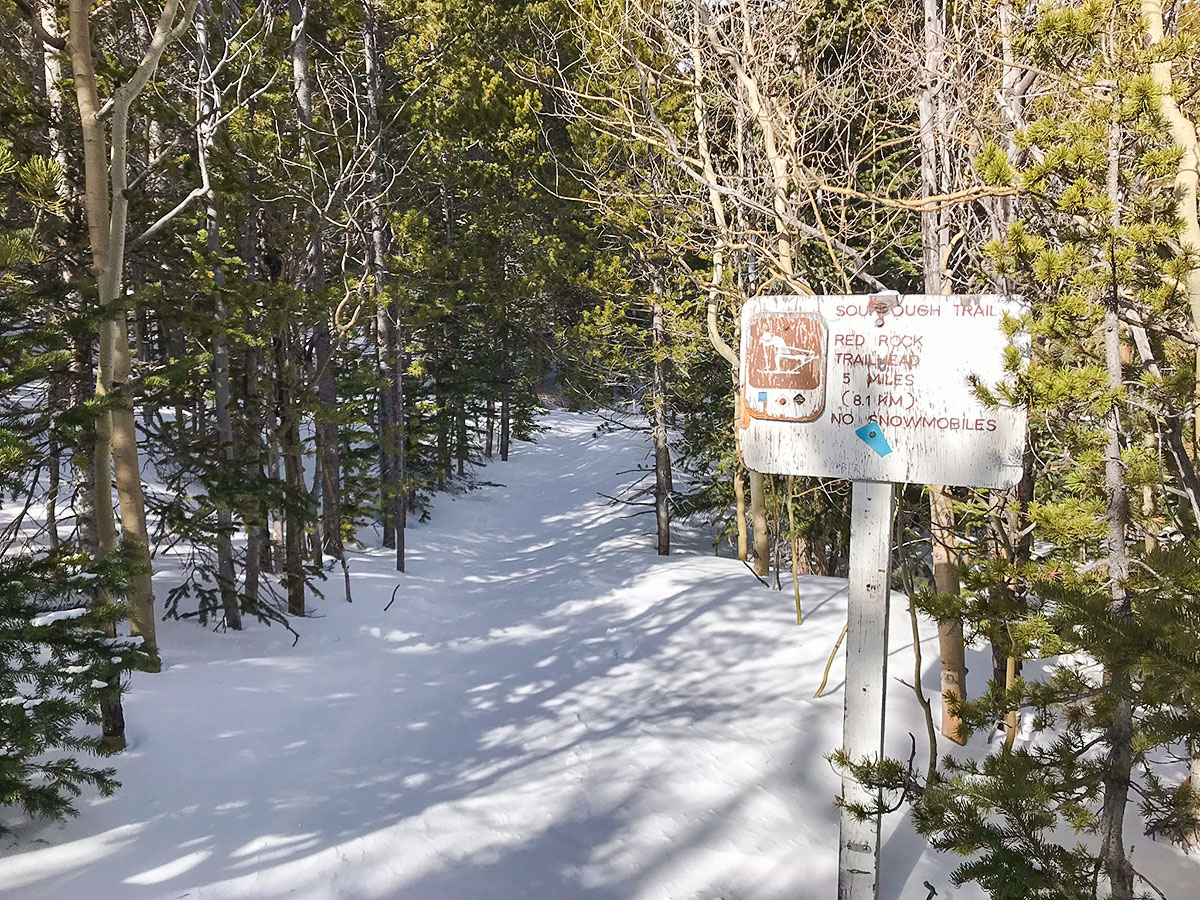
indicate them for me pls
(60, 661)
(1108, 597)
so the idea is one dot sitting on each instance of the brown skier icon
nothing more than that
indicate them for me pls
(785, 366)
(785, 351)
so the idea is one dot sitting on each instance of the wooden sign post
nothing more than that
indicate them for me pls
(878, 389)
(867, 608)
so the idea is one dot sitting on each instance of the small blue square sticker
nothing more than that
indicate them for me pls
(762, 396)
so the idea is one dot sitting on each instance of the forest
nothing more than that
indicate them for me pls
(284, 285)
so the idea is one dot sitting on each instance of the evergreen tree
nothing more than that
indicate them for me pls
(1108, 597)
(60, 659)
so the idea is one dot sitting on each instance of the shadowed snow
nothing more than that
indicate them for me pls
(548, 710)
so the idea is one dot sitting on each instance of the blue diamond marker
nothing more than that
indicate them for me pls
(872, 436)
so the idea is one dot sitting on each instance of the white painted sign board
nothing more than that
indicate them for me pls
(875, 388)
(815, 370)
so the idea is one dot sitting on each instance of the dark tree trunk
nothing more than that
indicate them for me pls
(462, 448)
(275, 438)
(385, 327)
(293, 558)
(391, 353)
(222, 393)
(399, 443)
(489, 445)
(256, 543)
(662, 451)
(59, 390)
(443, 435)
(313, 532)
(505, 398)
(331, 457)
(1119, 732)
(258, 548)
(386, 417)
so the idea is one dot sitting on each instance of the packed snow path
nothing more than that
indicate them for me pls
(548, 710)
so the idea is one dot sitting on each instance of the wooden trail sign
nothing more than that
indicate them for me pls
(875, 388)
(816, 370)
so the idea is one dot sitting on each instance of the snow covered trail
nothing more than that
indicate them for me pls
(548, 710)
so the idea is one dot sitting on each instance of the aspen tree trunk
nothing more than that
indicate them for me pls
(784, 260)
(722, 347)
(391, 413)
(662, 450)
(145, 346)
(274, 435)
(52, 75)
(116, 435)
(199, 420)
(313, 280)
(717, 202)
(727, 353)
(946, 581)
(390, 486)
(226, 578)
(177, 348)
(132, 501)
(112, 713)
(1187, 179)
(82, 388)
(392, 360)
(739, 498)
(1010, 516)
(51, 84)
(935, 241)
(1119, 732)
(505, 415)
(1186, 138)
(97, 210)
(330, 464)
(208, 107)
(456, 444)
(758, 516)
(1014, 82)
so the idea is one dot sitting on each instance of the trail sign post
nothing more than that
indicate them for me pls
(878, 389)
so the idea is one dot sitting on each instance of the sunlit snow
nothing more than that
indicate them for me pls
(547, 711)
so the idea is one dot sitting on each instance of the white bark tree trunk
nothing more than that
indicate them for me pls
(116, 436)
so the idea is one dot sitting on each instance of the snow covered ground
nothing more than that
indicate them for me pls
(548, 710)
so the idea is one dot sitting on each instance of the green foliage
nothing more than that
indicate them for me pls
(1038, 587)
(58, 656)
(1003, 813)
(59, 653)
